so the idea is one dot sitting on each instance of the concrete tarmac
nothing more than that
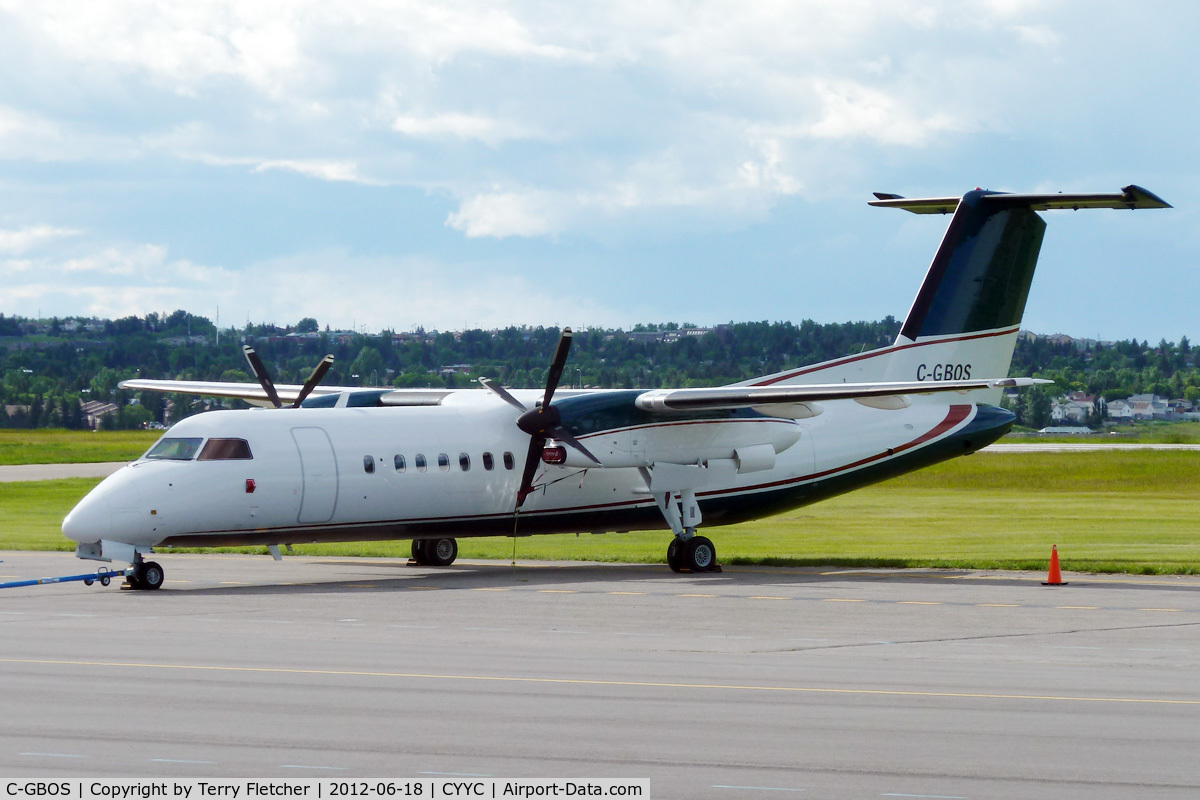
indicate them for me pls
(752, 683)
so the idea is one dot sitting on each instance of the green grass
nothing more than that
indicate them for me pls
(59, 446)
(1108, 511)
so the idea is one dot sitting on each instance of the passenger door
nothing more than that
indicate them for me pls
(319, 469)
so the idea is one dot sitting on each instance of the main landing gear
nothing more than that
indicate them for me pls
(696, 554)
(434, 552)
(145, 575)
(687, 550)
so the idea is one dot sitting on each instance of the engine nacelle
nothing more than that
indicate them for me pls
(752, 444)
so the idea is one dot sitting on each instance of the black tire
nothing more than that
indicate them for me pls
(418, 552)
(675, 555)
(441, 552)
(700, 554)
(152, 575)
(104, 580)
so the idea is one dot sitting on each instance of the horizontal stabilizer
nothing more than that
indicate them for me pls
(1131, 197)
(747, 396)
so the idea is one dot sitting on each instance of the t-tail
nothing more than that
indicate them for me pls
(966, 316)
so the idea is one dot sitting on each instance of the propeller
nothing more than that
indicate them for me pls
(264, 378)
(543, 421)
(317, 374)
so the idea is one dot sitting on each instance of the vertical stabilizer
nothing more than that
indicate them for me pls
(980, 277)
(964, 322)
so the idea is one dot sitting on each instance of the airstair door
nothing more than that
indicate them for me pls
(319, 467)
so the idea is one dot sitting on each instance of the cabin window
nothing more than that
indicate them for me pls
(398, 463)
(419, 461)
(369, 464)
(226, 450)
(174, 449)
(464, 462)
(508, 461)
(443, 462)
(488, 462)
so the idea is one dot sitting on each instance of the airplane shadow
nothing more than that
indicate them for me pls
(395, 576)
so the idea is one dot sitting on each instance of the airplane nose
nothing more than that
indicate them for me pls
(92, 519)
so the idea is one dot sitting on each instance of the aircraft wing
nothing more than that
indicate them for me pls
(250, 392)
(747, 396)
(255, 395)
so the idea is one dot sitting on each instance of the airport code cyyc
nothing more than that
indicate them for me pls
(426, 789)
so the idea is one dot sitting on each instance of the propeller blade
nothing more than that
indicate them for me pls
(502, 394)
(260, 371)
(563, 435)
(532, 457)
(317, 374)
(556, 366)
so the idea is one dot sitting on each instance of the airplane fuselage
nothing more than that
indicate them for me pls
(343, 474)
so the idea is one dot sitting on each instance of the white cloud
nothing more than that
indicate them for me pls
(502, 214)
(595, 111)
(460, 126)
(849, 110)
(346, 171)
(1039, 35)
(134, 279)
(20, 241)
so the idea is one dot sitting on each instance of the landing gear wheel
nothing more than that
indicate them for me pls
(700, 554)
(418, 552)
(675, 555)
(151, 575)
(441, 552)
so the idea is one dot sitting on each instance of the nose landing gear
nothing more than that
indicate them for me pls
(145, 575)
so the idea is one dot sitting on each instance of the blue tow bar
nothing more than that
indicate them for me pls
(104, 576)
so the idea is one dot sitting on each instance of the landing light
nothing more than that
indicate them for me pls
(554, 455)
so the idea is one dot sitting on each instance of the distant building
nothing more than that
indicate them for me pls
(1075, 407)
(95, 410)
(1149, 406)
(1065, 430)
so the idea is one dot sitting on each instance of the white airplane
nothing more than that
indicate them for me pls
(348, 464)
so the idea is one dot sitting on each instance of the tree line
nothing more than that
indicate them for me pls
(50, 368)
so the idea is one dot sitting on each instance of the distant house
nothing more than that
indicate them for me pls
(1075, 407)
(1149, 406)
(1120, 410)
(95, 410)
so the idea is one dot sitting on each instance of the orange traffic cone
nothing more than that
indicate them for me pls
(1055, 576)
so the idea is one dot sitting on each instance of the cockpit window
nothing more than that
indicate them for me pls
(226, 450)
(174, 449)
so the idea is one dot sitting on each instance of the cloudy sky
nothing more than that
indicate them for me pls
(463, 163)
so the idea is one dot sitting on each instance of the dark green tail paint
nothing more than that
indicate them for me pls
(980, 277)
